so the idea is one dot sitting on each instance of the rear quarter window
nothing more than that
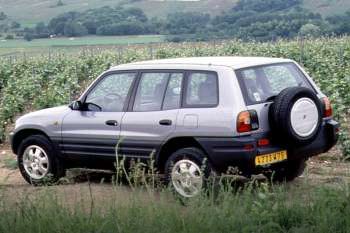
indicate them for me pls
(202, 90)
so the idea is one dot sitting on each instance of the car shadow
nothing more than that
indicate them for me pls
(87, 175)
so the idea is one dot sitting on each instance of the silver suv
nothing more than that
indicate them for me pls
(260, 115)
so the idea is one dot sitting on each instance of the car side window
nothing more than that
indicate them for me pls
(150, 92)
(172, 97)
(111, 92)
(202, 90)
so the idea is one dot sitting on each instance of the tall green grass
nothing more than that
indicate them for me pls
(252, 209)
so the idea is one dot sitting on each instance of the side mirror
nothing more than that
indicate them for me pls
(76, 105)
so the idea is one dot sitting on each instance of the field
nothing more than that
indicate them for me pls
(318, 201)
(30, 12)
(39, 45)
(49, 80)
(87, 201)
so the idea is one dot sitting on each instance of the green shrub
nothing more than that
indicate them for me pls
(9, 37)
(39, 82)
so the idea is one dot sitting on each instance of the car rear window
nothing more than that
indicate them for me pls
(261, 83)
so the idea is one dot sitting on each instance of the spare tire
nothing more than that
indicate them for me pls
(296, 116)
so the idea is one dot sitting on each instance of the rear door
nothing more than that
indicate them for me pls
(152, 113)
(260, 84)
(94, 132)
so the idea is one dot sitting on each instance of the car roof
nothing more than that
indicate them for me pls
(233, 62)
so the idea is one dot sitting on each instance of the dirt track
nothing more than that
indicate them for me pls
(327, 169)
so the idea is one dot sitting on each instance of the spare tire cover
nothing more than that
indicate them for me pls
(296, 116)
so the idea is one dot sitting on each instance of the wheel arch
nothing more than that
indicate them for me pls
(173, 144)
(19, 136)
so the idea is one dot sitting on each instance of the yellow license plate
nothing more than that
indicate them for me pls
(271, 158)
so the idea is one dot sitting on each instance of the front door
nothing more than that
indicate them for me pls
(152, 116)
(94, 131)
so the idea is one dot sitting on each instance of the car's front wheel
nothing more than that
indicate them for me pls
(37, 161)
(187, 171)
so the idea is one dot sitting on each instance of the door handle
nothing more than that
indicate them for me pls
(165, 122)
(112, 122)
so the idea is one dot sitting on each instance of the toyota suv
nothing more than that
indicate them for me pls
(193, 116)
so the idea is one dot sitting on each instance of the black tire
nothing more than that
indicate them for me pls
(288, 171)
(55, 168)
(280, 116)
(193, 154)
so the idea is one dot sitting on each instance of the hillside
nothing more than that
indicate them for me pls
(29, 12)
(327, 7)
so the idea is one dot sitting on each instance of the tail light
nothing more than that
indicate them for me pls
(327, 112)
(247, 121)
(263, 142)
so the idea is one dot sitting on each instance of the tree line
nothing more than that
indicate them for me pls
(248, 19)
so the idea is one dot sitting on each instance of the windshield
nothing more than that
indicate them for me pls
(262, 83)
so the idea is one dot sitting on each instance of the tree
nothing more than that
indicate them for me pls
(186, 22)
(124, 28)
(28, 36)
(310, 30)
(41, 28)
(3, 16)
(265, 5)
(74, 29)
(91, 26)
(134, 13)
(340, 23)
(103, 18)
(59, 3)
(15, 25)
(9, 37)
(57, 24)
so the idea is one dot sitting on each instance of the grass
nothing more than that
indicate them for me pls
(39, 45)
(141, 206)
(163, 8)
(10, 163)
(30, 12)
(263, 209)
(82, 41)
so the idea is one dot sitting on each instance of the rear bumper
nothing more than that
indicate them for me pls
(241, 151)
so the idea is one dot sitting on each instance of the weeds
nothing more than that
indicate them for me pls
(149, 207)
(252, 209)
(10, 163)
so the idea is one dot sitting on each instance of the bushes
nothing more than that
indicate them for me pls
(101, 21)
(9, 37)
(58, 78)
(72, 29)
(124, 28)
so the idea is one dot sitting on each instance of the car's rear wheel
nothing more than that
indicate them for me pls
(38, 162)
(287, 171)
(186, 172)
